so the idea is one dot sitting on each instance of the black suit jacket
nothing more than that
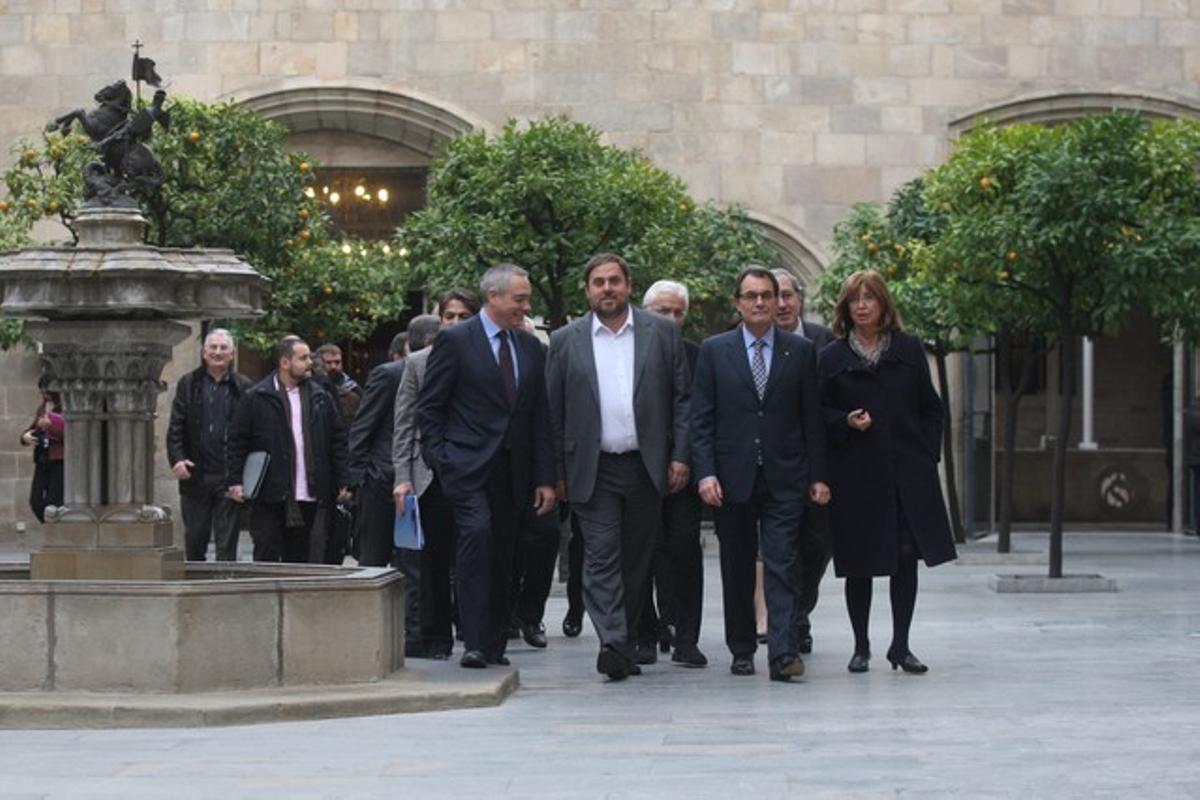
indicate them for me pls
(371, 431)
(730, 424)
(819, 335)
(465, 419)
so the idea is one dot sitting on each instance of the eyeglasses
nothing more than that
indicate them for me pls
(754, 297)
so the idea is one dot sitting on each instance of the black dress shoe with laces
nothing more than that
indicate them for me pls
(534, 635)
(688, 655)
(572, 625)
(499, 661)
(742, 665)
(907, 662)
(859, 662)
(785, 668)
(473, 659)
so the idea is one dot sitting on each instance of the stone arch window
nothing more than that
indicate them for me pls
(1052, 107)
(794, 251)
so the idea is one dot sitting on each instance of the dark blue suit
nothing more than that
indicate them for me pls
(731, 430)
(488, 456)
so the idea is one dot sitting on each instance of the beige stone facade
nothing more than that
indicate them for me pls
(794, 108)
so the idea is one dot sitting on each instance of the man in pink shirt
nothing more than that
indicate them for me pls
(299, 425)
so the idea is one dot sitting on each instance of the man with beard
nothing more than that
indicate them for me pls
(618, 386)
(299, 425)
(348, 392)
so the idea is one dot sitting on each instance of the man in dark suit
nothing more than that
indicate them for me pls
(618, 385)
(814, 535)
(678, 567)
(758, 447)
(482, 414)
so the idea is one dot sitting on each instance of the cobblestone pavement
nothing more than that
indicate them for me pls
(1028, 696)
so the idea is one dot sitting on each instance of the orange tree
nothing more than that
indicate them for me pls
(548, 195)
(1074, 225)
(229, 182)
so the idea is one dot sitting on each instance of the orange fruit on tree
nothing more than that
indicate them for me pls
(194, 137)
(985, 183)
(304, 234)
(305, 166)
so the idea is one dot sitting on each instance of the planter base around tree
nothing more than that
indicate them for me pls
(1041, 584)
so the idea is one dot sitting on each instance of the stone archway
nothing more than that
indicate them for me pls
(382, 111)
(1052, 107)
(794, 251)
(1108, 443)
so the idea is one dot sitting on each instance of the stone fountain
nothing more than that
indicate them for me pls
(107, 614)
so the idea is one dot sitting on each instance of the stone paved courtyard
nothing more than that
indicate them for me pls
(1028, 696)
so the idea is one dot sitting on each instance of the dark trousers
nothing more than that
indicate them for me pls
(1194, 474)
(46, 489)
(575, 569)
(376, 518)
(437, 571)
(273, 540)
(619, 523)
(210, 514)
(533, 567)
(678, 569)
(487, 521)
(813, 558)
(772, 525)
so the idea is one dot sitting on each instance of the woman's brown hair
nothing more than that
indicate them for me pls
(872, 281)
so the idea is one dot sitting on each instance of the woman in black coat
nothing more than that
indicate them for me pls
(884, 421)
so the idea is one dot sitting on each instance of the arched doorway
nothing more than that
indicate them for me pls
(1125, 456)
(374, 143)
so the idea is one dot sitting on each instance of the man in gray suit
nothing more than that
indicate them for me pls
(814, 548)
(429, 587)
(618, 385)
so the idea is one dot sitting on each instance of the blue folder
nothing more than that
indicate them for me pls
(407, 533)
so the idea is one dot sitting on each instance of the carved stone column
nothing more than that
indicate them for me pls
(108, 373)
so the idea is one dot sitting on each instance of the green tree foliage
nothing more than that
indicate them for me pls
(229, 183)
(1067, 228)
(549, 195)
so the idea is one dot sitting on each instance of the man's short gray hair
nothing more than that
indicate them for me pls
(665, 287)
(783, 274)
(498, 278)
(220, 332)
(421, 330)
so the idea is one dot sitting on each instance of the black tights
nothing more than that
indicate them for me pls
(903, 588)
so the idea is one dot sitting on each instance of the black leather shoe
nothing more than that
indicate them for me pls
(688, 655)
(646, 653)
(907, 662)
(785, 668)
(473, 659)
(804, 643)
(572, 625)
(742, 666)
(612, 664)
(534, 635)
(634, 669)
(499, 661)
(859, 662)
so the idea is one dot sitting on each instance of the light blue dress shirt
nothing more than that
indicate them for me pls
(749, 340)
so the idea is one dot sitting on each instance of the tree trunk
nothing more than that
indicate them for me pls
(956, 522)
(1058, 495)
(1012, 403)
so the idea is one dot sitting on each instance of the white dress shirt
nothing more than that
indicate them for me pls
(613, 353)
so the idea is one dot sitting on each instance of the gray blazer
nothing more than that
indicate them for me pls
(661, 387)
(407, 461)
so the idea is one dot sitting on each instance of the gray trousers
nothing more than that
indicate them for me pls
(619, 524)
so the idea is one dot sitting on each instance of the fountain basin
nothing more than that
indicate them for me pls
(226, 626)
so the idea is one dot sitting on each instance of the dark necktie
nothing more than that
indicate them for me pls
(758, 367)
(508, 376)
